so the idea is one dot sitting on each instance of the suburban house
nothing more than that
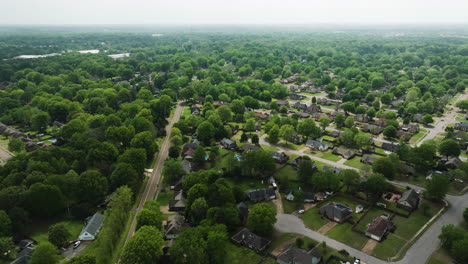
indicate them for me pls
(193, 145)
(299, 106)
(335, 170)
(390, 147)
(24, 256)
(177, 204)
(382, 122)
(323, 101)
(345, 153)
(299, 160)
(368, 159)
(317, 145)
(175, 224)
(279, 157)
(418, 118)
(335, 133)
(282, 103)
(452, 163)
(373, 129)
(409, 200)
(186, 166)
(379, 228)
(336, 212)
(248, 239)
(228, 143)
(249, 147)
(309, 197)
(92, 227)
(295, 96)
(261, 195)
(243, 212)
(410, 128)
(314, 109)
(261, 115)
(294, 255)
(303, 114)
(404, 135)
(463, 126)
(361, 118)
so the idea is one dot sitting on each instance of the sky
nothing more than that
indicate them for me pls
(187, 12)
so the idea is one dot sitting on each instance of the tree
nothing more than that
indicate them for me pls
(463, 104)
(362, 140)
(40, 121)
(449, 235)
(145, 140)
(257, 162)
(250, 125)
(384, 166)
(150, 215)
(199, 156)
(237, 106)
(58, 235)
(173, 170)
(45, 200)
(15, 145)
(273, 134)
(438, 186)
(324, 122)
(305, 170)
(255, 139)
(92, 186)
(7, 248)
(174, 152)
(198, 210)
(465, 215)
(449, 147)
(307, 128)
(261, 219)
(124, 174)
(349, 122)
(287, 132)
(390, 131)
(45, 253)
(350, 179)
(374, 186)
(224, 113)
(82, 259)
(5, 224)
(145, 247)
(339, 120)
(459, 251)
(205, 132)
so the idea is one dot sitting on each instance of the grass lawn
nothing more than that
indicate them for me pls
(417, 137)
(290, 145)
(344, 234)
(331, 157)
(186, 111)
(269, 148)
(355, 163)
(240, 255)
(283, 237)
(40, 234)
(312, 219)
(332, 139)
(433, 260)
(290, 207)
(164, 197)
(380, 151)
(389, 247)
(287, 171)
(408, 227)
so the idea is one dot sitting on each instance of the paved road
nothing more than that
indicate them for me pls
(153, 182)
(418, 253)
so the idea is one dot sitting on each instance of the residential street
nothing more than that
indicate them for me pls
(153, 181)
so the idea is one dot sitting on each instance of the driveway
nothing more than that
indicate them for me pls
(71, 252)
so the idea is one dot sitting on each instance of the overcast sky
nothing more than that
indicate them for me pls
(232, 11)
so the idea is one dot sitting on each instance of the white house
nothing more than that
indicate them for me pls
(92, 227)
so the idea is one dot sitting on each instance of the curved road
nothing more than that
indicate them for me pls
(153, 182)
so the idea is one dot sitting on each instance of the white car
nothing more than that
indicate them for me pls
(357, 261)
(459, 180)
(301, 211)
(76, 244)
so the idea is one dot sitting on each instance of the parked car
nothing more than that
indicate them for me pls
(76, 244)
(301, 211)
(382, 205)
(357, 261)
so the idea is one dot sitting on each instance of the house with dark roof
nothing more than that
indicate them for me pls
(303, 114)
(368, 159)
(314, 109)
(336, 212)
(296, 163)
(248, 239)
(296, 96)
(390, 147)
(309, 197)
(261, 195)
(294, 255)
(335, 133)
(175, 224)
(373, 129)
(92, 227)
(317, 145)
(452, 163)
(382, 122)
(409, 200)
(345, 153)
(379, 228)
(24, 256)
(282, 103)
(228, 143)
(417, 118)
(279, 157)
(249, 147)
(403, 135)
(323, 101)
(361, 118)
(335, 170)
(186, 166)
(410, 128)
(261, 115)
(299, 106)
(178, 203)
(462, 126)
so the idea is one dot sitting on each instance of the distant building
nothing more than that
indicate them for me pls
(317, 145)
(293, 255)
(279, 157)
(345, 153)
(178, 203)
(409, 200)
(336, 212)
(463, 126)
(228, 143)
(92, 228)
(248, 239)
(368, 159)
(261, 195)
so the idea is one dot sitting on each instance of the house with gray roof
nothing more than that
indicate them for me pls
(175, 224)
(248, 239)
(368, 159)
(294, 255)
(409, 200)
(279, 157)
(228, 143)
(345, 153)
(92, 228)
(336, 212)
(317, 145)
(24, 256)
(463, 126)
(261, 195)
(177, 204)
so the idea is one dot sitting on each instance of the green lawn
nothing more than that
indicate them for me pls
(240, 255)
(269, 148)
(40, 233)
(356, 163)
(287, 171)
(408, 227)
(389, 247)
(331, 157)
(280, 240)
(417, 137)
(186, 111)
(312, 219)
(344, 234)
(164, 197)
(290, 207)
(433, 260)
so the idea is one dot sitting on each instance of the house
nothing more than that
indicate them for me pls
(193, 145)
(303, 114)
(261, 115)
(25, 243)
(58, 124)
(299, 160)
(314, 109)
(196, 112)
(418, 118)
(335, 133)
(249, 147)
(463, 126)
(282, 103)
(279, 157)
(368, 159)
(295, 96)
(177, 204)
(92, 227)
(452, 163)
(373, 129)
(379, 228)
(309, 197)
(299, 106)
(390, 147)
(248, 239)
(323, 101)
(175, 224)
(335, 170)
(243, 212)
(261, 195)
(293, 88)
(409, 200)
(410, 128)
(24, 256)
(361, 118)
(294, 255)
(345, 153)
(336, 212)
(228, 143)
(382, 122)
(403, 135)
(317, 145)
(186, 166)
